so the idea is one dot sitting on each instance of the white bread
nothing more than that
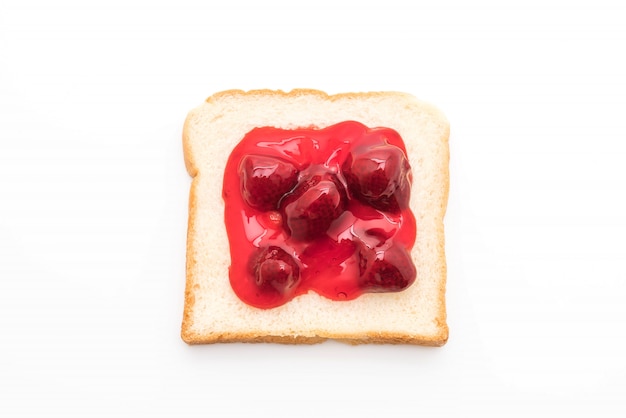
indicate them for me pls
(212, 311)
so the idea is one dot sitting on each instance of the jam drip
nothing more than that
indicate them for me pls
(325, 210)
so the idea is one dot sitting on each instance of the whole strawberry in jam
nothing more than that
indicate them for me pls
(392, 272)
(275, 271)
(314, 204)
(379, 176)
(265, 179)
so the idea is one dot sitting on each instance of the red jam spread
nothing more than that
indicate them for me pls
(318, 209)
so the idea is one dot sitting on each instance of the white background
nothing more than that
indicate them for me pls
(93, 209)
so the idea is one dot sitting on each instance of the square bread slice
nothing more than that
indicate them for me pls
(212, 311)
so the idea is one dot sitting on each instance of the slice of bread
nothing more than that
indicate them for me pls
(212, 311)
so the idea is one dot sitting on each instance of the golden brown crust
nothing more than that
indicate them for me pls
(300, 92)
(442, 317)
(192, 337)
(379, 338)
(186, 332)
(250, 338)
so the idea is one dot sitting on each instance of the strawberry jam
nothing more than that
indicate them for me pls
(325, 210)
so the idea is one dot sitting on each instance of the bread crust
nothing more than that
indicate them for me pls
(195, 331)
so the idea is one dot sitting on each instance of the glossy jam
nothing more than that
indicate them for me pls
(304, 213)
